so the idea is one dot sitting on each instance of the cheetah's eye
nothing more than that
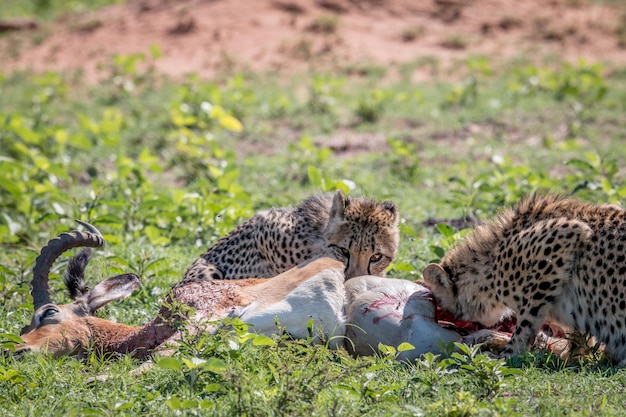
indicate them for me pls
(345, 252)
(377, 257)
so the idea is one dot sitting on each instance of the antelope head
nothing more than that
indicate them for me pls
(61, 329)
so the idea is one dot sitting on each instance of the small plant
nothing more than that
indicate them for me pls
(488, 374)
(412, 33)
(582, 83)
(391, 353)
(323, 93)
(368, 70)
(463, 94)
(435, 369)
(194, 369)
(403, 159)
(324, 183)
(455, 42)
(370, 107)
(325, 24)
(479, 66)
(594, 173)
(499, 184)
(305, 152)
(450, 236)
(129, 73)
(302, 49)
(509, 22)
(367, 387)
(585, 350)
(620, 31)
(465, 405)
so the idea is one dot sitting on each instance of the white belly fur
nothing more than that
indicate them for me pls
(368, 310)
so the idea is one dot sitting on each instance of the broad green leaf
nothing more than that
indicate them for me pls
(194, 362)
(445, 229)
(169, 363)
(208, 403)
(155, 237)
(262, 340)
(584, 165)
(149, 160)
(438, 251)
(11, 338)
(173, 403)
(386, 349)
(189, 404)
(92, 412)
(214, 387)
(404, 346)
(215, 365)
(13, 188)
(621, 191)
(607, 187)
(41, 162)
(239, 326)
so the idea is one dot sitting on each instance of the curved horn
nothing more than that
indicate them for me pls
(89, 227)
(50, 252)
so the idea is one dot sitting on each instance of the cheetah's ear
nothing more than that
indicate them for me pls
(434, 274)
(340, 201)
(393, 211)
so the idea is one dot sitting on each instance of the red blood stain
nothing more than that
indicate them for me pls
(392, 304)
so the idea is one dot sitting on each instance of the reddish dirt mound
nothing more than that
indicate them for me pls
(207, 36)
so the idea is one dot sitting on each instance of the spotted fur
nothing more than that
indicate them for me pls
(549, 258)
(357, 231)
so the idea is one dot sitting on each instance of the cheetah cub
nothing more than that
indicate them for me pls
(549, 258)
(359, 232)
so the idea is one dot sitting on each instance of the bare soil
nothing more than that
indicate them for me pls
(215, 36)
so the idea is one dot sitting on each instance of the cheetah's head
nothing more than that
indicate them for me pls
(363, 234)
(461, 292)
(444, 289)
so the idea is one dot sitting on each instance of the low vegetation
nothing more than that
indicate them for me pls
(165, 167)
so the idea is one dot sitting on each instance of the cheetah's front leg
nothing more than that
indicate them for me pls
(537, 262)
(524, 335)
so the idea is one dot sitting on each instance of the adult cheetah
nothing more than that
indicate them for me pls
(551, 258)
(357, 231)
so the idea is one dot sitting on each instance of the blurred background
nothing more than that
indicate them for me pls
(423, 37)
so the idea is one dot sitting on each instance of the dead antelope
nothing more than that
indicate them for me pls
(312, 291)
(361, 312)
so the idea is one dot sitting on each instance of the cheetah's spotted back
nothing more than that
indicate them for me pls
(549, 258)
(359, 232)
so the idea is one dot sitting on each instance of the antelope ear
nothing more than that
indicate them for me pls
(434, 274)
(111, 289)
(338, 209)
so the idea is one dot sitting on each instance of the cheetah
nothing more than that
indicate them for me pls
(550, 258)
(361, 233)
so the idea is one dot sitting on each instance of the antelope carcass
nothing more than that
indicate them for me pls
(361, 312)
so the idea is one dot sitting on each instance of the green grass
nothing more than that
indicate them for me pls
(48, 9)
(165, 168)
